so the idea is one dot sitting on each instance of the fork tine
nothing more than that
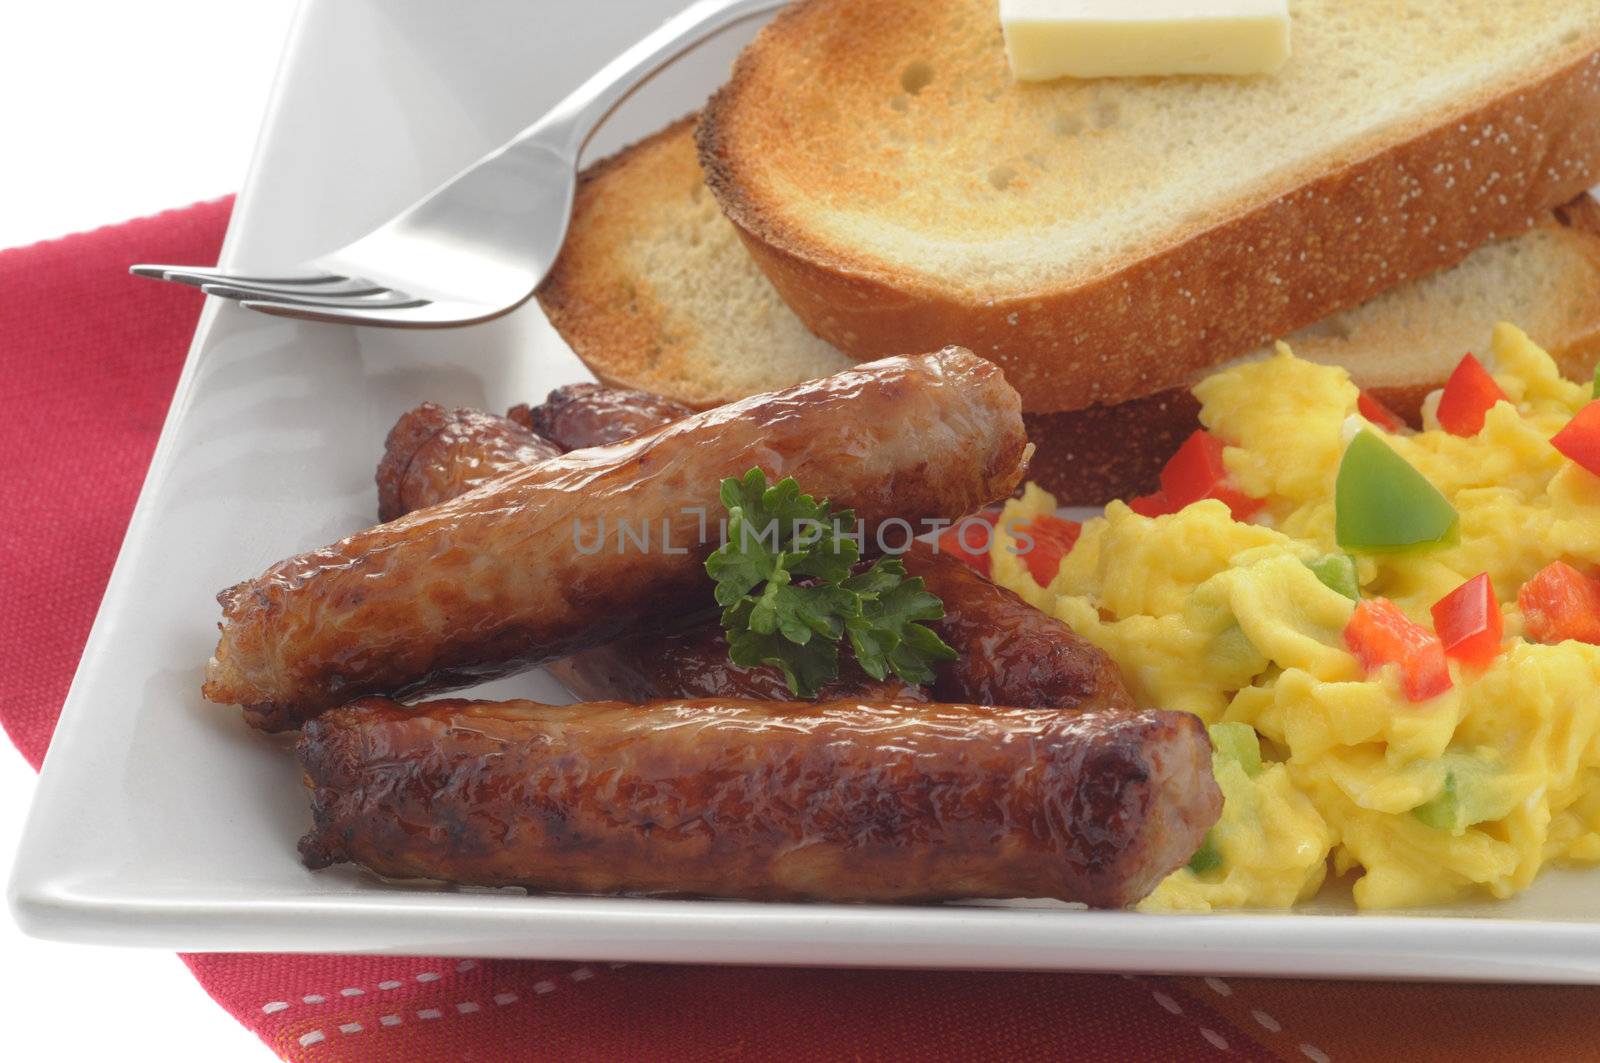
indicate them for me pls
(342, 287)
(381, 297)
(198, 275)
(419, 315)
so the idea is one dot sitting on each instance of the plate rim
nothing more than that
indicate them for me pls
(47, 902)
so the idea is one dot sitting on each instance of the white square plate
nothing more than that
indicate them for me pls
(161, 820)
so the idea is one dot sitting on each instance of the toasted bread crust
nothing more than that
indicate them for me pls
(609, 342)
(1293, 253)
(609, 297)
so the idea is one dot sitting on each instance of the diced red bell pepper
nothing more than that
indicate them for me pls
(1379, 414)
(1155, 505)
(1241, 505)
(1196, 472)
(1379, 634)
(1561, 603)
(966, 543)
(1580, 439)
(1469, 394)
(1469, 623)
(1053, 539)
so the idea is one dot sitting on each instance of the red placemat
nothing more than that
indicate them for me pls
(89, 357)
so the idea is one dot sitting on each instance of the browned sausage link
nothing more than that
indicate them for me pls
(695, 664)
(418, 472)
(593, 545)
(1010, 652)
(591, 415)
(433, 454)
(842, 801)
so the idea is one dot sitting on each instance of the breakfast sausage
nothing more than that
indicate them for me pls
(1009, 652)
(590, 415)
(417, 472)
(695, 664)
(433, 454)
(593, 545)
(842, 801)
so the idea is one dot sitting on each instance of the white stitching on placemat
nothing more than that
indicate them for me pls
(272, 1007)
(1268, 1023)
(583, 974)
(468, 1007)
(1212, 1037)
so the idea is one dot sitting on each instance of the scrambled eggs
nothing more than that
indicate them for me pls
(1467, 791)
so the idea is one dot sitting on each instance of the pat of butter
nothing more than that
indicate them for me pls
(1048, 39)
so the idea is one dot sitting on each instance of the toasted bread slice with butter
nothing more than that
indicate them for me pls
(654, 291)
(1103, 240)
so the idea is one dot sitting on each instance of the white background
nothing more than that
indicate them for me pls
(110, 111)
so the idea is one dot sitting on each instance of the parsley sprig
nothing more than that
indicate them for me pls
(789, 592)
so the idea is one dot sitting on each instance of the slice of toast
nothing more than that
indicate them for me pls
(653, 286)
(654, 291)
(1105, 239)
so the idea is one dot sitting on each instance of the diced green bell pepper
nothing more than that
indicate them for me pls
(1237, 742)
(1444, 811)
(1232, 654)
(1596, 392)
(1206, 858)
(1231, 743)
(1338, 573)
(1469, 795)
(1382, 504)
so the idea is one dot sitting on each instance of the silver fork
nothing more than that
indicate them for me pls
(478, 245)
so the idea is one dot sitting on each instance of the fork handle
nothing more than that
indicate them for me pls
(569, 124)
